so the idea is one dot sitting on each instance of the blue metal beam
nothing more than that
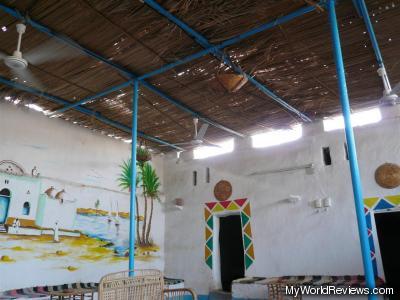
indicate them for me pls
(91, 98)
(357, 7)
(132, 213)
(231, 41)
(354, 169)
(381, 70)
(227, 43)
(130, 75)
(83, 110)
(201, 40)
(364, 12)
(188, 110)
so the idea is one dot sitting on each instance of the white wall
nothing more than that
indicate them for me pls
(289, 239)
(86, 165)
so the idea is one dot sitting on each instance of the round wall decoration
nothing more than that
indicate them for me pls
(223, 190)
(388, 175)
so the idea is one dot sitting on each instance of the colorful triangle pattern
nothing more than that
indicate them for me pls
(240, 205)
(370, 202)
(247, 261)
(240, 202)
(250, 251)
(207, 252)
(225, 204)
(245, 219)
(247, 230)
(207, 214)
(395, 200)
(383, 204)
(209, 262)
(211, 205)
(218, 208)
(246, 210)
(209, 244)
(232, 206)
(210, 223)
(208, 233)
(246, 241)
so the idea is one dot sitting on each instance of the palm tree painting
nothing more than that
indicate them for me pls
(149, 181)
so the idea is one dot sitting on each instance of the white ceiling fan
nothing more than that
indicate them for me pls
(198, 137)
(46, 52)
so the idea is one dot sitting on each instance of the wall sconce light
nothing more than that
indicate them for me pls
(324, 203)
(318, 204)
(327, 202)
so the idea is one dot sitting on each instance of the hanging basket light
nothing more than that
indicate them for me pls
(232, 82)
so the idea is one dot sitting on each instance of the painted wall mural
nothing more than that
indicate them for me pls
(59, 227)
(212, 209)
(370, 206)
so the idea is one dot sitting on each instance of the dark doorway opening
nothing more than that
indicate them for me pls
(231, 250)
(388, 229)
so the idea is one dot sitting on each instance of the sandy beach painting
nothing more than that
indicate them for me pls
(67, 235)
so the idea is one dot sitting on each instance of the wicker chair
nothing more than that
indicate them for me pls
(144, 285)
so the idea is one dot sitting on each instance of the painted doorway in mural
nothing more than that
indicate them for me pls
(388, 230)
(4, 204)
(231, 250)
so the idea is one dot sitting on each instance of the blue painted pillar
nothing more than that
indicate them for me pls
(132, 213)
(355, 172)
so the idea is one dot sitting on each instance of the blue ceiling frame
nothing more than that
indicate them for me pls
(127, 73)
(208, 50)
(202, 41)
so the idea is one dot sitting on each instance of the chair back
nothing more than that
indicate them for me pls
(141, 285)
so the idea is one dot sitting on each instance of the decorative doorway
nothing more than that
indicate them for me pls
(214, 210)
(372, 206)
(4, 204)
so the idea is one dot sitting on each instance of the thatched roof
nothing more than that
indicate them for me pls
(294, 60)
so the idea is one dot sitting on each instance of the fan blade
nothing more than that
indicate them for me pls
(26, 76)
(50, 51)
(202, 131)
(208, 144)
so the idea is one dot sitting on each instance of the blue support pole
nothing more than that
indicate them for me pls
(127, 73)
(132, 213)
(202, 41)
(83, 110)
(354, 169)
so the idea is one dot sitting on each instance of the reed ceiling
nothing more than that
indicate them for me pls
(294, 60)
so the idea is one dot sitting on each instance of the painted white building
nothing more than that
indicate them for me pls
(24, 209)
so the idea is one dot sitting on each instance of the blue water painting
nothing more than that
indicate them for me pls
(100, 227)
